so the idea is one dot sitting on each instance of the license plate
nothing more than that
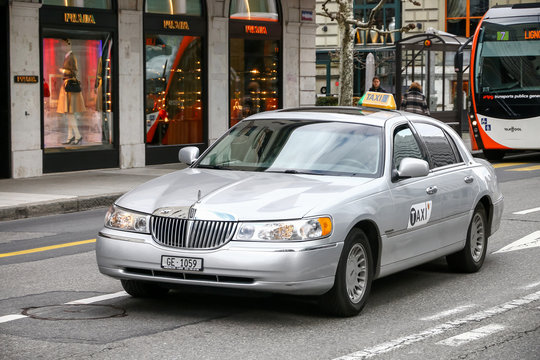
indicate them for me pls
(181, 263)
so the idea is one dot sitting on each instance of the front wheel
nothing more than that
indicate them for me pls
(353, 278)
(472, 257)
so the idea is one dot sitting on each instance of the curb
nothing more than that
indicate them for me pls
(62, 206)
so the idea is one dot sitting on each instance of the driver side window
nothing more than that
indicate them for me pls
(405, 145)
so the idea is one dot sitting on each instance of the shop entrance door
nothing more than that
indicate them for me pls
(5, 119)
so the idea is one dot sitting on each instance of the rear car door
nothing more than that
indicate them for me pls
(454, 181)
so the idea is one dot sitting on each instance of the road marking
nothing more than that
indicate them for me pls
(531, 240)
(440, 329)
(46, 248)
(530, 286)
(502, 165)
(447, 313)
(525, 212)
(528, 168)
(98, 298)
(7, 318)
(475, 334)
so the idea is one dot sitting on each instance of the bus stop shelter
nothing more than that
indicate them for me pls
(429, 60)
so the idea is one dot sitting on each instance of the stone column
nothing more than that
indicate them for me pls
(298, 54)
(218, 69)
(131, 90)
(26, 152)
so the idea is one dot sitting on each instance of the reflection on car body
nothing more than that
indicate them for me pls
(311, 201)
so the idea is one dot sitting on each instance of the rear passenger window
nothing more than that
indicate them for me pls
(441, 151)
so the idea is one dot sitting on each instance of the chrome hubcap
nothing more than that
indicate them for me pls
(356, 272)
(477, 239)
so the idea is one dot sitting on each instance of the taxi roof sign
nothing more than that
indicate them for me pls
(378, 100)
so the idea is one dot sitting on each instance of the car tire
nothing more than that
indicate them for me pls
(353, 278)
(143, 289)
(494, 155)
(472, 257)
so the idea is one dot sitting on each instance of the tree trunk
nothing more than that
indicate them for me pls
(346, 62)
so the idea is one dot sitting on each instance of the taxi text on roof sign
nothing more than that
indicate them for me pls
(378, 100)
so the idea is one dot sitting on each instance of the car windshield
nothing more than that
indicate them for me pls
(299, 147)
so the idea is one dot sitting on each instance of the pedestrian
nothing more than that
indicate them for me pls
(376, 85)
(414, 101)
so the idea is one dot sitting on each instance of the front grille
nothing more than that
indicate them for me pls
(191, 234)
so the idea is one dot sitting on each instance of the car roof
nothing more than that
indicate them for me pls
(360, 115)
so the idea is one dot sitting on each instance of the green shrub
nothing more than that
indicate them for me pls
(327, 101)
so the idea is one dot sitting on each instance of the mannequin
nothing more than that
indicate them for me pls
(70, 104)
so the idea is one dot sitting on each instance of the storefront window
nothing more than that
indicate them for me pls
(259, 10)
(92, 4)
(254, 77)
(386, 20)
(173, 90)
(174, 7)
(254, 47)
(77, 90)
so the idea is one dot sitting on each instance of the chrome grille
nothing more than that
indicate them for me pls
(191, 234)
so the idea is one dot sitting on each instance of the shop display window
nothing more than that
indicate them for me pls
(254, 85)
(173, 89)
(174, 7)
(77, 91)
(92, 4)
(259, 10)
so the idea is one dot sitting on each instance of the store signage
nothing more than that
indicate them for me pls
(532, 35)
(254, 29)
(26, 79)
(74, 18)
(175, 25)
(307, 15)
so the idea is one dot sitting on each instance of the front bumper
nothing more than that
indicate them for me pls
(301, 268)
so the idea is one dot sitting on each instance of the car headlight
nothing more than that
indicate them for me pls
(122, 219)
(288, 230)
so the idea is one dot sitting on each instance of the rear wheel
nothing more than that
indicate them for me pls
(143, 289)
(353, 279)
(472, 257)
(494, 155)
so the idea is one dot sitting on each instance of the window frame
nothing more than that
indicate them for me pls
(421, 145)
(467, 18)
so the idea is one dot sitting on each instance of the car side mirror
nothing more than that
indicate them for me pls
(188, 155)
(411, 168)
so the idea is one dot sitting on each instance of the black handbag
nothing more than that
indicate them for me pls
(72, 85)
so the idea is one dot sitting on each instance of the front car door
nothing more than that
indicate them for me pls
(417, 207)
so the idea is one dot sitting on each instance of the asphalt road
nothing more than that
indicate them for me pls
(54, 304)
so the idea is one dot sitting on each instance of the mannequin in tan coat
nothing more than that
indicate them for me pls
(70, 104)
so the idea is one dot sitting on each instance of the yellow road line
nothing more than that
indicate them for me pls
(45, 248)
(501, 165)
(528, 168)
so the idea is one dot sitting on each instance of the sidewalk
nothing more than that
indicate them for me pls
(60, 193)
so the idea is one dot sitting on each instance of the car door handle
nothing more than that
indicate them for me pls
(431, 190)
(468, 179)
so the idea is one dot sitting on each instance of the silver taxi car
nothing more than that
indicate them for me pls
(310, 201)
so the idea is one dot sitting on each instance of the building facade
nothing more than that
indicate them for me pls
(458, 17)
(110, 83)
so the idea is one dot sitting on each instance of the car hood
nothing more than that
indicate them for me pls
(240, 195)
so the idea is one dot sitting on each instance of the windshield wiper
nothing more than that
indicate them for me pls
(296, 172)
(215, 167)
